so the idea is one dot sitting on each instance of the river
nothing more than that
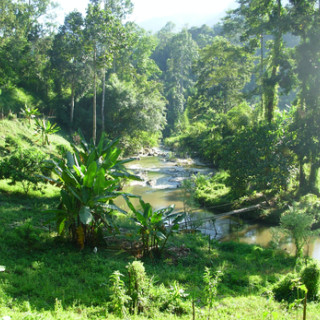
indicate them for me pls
(160, 186)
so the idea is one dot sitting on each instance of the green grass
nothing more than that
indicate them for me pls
(21, 134)
(13, 99)
(47, 277)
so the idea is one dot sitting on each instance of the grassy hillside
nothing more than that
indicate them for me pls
(44, 276)
(18, 137)
(23, 135)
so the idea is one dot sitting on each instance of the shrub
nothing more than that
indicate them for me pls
(137, 286)
(23, 166)
(45, 128)
(155, 226)
(297, 223)
(119, 299)
(288, 288)
(284, 289)
(310, 277)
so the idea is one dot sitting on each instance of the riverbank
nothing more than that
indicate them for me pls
(47, 278)
(44, 275)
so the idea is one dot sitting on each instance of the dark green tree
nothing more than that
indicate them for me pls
(262, 24)
(223, 70)
(305, 19)
(68, 58)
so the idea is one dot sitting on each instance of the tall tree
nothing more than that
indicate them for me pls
(174, 55)
(223, 70)
(100, 28)
(120, 9)
(67, 56)
(305, 22)
(261, 20)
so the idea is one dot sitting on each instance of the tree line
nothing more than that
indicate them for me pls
(243, 94)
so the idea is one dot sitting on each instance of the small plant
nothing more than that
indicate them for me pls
(119, 298)
(28, 234)
(156, 226)
(177, 293)
(296, 223)
(284, 289)
(29, 113)
(45, 128)
(211, 286)
(137, 286)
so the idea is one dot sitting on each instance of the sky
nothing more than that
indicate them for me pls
(147, 10)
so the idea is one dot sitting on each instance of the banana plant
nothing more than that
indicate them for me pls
(155, 226)
(89, 180)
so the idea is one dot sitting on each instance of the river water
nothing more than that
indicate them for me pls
(160, 186)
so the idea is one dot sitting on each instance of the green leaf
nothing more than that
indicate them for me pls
(113, 207)
(91, 157)
(68, 178)
(130, 205)
(70, 160)
(66, 200)
(99, 183)
(90, 175)
(161, 235)
(140, 218)
(156, 217)
(61, 225)
(78, 171)
(85, 215)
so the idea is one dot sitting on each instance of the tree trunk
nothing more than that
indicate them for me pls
(94, 108)
(312, 181)
(72, 106)
(302, 178)
(272, 82)
(103, 99)
(261, 69)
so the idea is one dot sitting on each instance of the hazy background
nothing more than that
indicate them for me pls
(153, 15)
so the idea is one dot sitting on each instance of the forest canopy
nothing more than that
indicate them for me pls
(250, 80)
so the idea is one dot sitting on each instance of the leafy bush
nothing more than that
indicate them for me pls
(289, 289)
(211, 286)
(23, 166)
(45, 128)
(89, 182)
(29, 113)
(137, 286)
(119, 298)
(212, 191)
(310, 276)
(297, 223)
(156, 226)
(285, 289)
(257, 160)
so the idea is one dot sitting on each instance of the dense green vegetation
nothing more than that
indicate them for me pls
(242, 95)
(46, 278)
